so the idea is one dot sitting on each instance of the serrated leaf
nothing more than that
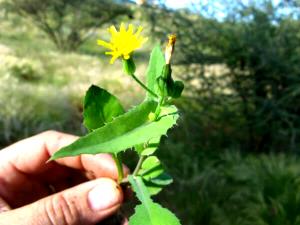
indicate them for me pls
(126, 131)
(155, 185)
(140, 189)
(153, 175)
(148, 148)
(153, 214)
(149, 213)
(151, 168)
(153, 189)
(163, 179)
(155, 66)
(100, 107)
(151, 147)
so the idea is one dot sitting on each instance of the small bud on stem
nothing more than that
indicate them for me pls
(129, 66)
(170, 48)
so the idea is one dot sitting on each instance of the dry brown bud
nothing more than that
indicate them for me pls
(170, 48)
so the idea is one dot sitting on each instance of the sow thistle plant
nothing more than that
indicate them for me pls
(113, 130)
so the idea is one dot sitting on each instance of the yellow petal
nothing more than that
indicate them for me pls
(113, 59)
(123, 41)
(140, 28)
(122, 28)
(112, 30)
(104, 44)
(130, 29)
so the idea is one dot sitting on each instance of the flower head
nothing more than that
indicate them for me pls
(123, 42)
(170, 47)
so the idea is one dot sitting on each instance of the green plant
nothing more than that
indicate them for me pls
(112, 130)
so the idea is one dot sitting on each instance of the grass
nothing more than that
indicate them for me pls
(232, 189)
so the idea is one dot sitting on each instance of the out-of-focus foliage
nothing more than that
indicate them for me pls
(232, 189)
(27, 110)
(68, 23)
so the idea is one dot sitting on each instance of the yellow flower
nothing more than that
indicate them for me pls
(123, 42)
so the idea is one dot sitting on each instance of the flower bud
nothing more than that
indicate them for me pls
(177, 89)
(167, 72)
(170, 48)
(162, 86)
(129, 66)
(151, 116)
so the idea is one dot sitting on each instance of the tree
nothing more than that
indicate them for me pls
(69, 23)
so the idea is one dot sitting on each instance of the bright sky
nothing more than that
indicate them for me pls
(217, 7)
(178, 3)
(185, 3)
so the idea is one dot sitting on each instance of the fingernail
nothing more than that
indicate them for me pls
(104, 196)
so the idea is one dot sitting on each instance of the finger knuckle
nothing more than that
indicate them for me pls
(61, 211)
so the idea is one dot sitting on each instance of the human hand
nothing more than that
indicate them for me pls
(33, 192)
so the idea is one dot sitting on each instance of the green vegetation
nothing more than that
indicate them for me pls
(242, 98)
(233, 189)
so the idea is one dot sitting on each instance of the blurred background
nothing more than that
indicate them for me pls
(235, 155)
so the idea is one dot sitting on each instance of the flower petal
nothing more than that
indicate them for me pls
(104, 44)
(112, 30)
(123, 42)
(122, 28)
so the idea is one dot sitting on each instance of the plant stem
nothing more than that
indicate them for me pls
(158, 109)
(139, 165)
(118, 162)
(142, 158)
(143, 86)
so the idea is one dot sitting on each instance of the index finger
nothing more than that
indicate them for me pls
(30, 156)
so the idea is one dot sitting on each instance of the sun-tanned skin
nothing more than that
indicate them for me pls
(68, 191)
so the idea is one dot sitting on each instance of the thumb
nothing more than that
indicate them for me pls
(87, 203)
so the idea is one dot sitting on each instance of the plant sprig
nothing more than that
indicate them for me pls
(112, 130)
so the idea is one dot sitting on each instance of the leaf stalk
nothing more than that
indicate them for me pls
(143, 86)
(118, 162)
(139, 165)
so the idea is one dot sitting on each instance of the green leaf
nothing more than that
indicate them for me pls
(153, 175)
(149, 213)
(126, 131)
(156, 64)
(153, 189)
(153, 214)
(155, 185)
(152, 146)
(148, 148)
(151, 168)
(100, 107)
(140, 189)
(163, 179)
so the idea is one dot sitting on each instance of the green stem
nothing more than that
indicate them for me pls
(119, 167)
(143, 86)
(158, 109)
(139, 165)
